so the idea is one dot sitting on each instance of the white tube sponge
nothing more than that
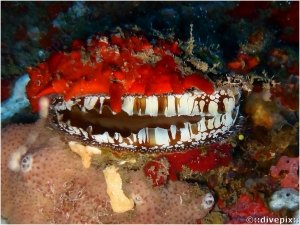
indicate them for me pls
(118, 200)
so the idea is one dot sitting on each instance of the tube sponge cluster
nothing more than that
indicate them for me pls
(59, 189)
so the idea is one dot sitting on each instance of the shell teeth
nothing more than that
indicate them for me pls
(170, 109)
(217, 123)
(60, 106)
(229, 104)
(202, 103)
(128, 104)
(189, 104)
(151, 106)
(69, 104)
(173, 130)
(210, 123)
(161, 136)
(182, 107)
(103, 138)
(90, 101)
(215, 114)
(89, 130)
(213, 108)
(59, 116)
(185, 133)
(202, 125)
(101, 101)
(142, 136)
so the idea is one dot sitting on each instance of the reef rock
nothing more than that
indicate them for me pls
(51, 185)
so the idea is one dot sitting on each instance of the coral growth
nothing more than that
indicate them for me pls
(59, 189)
(214, 218)
(243, 63)
(157, 171)
(263, 145)
(288, 94)
(263, 111)
(245, 208)
(266, 185)
(196, 160)
(290, 167)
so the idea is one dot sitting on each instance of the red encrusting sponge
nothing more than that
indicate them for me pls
(113, 66)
